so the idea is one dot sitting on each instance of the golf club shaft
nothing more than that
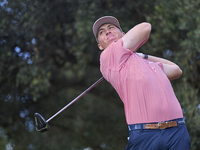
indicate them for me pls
(93, 85)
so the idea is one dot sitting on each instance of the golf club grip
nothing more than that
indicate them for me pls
(87, 90)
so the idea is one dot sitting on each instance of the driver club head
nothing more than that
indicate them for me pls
(41, 124)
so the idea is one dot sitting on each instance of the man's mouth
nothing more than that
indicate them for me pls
(110, 36)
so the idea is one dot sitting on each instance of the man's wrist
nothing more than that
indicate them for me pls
(146, 56)
(141, 55)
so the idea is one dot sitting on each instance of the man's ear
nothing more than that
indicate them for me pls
(100, 47)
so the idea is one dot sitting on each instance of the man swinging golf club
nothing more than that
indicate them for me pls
(153, 113)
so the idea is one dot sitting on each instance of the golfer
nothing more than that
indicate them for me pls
(153, 113)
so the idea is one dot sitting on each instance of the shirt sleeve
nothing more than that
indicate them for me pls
(118, 55)
(113, 58)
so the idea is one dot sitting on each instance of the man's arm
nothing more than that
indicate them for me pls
(137, 36)
(171, 69)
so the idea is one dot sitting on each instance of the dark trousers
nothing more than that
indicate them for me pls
(175, 138)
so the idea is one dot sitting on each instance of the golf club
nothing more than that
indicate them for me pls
(42, 124)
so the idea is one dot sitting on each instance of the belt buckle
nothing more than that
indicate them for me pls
(162, 122)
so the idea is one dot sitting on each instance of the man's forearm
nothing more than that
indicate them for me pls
(171, 69)
(158, 59)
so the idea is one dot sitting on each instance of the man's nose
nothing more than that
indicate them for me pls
(107, 31)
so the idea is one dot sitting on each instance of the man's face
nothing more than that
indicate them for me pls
(108, 33)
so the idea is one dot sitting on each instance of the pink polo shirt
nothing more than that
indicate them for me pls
(142, 85)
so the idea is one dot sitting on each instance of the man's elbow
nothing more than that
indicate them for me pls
(147, 28)
(147, 25)
(178, 73)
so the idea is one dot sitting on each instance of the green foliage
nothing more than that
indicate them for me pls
(2, 140)
(48, 56)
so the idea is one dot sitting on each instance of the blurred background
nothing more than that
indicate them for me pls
(48, 56)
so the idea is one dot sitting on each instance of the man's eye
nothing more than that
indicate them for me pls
(101, 32)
